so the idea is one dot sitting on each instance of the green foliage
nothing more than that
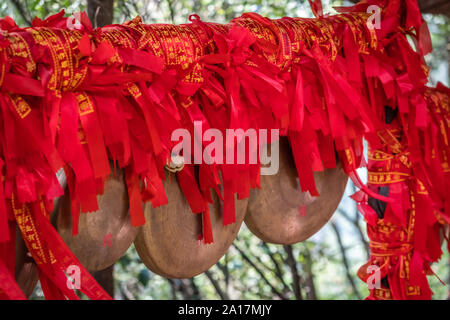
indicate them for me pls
(439, 59)
(221, 11)
(23, 11)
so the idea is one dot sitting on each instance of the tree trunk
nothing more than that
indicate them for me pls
(309, 276)
(105, 279)
(100, 12)
(296, 279)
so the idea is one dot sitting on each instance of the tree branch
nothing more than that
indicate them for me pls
(170, 4)
(173, 288)
(125, 292)
(100, 12)
(309, 280)
(355, 223)
(196, 294)
(278, 270)
(222, 294)
(21, 10)
(274, 272)
(344, 259)
(296, 279)
(259, 271)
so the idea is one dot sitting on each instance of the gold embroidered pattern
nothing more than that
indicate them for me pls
(85, 105)
(28, 229)
(19, 48)
(134, 90)
(21, 106)
(387, 177)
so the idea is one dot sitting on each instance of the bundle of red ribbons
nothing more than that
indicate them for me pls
(79, 98)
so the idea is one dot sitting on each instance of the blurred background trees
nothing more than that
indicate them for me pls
(323, 267)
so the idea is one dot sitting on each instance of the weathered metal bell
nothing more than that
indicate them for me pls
(274, 212)
(105, 235)
(167, 243)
